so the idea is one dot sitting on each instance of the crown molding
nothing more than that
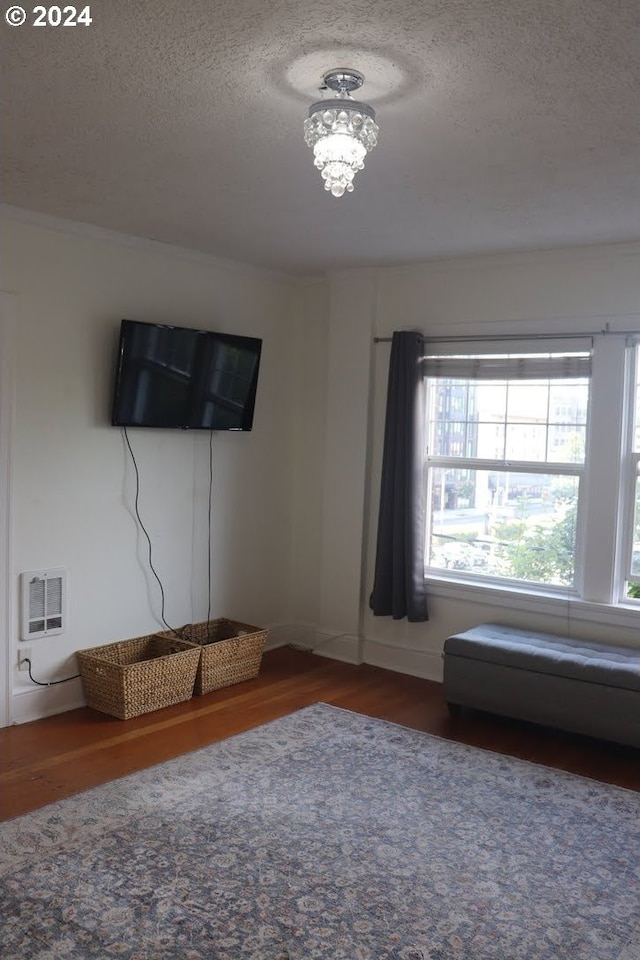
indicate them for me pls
(525, 257)
(141, 244)
(432, 265)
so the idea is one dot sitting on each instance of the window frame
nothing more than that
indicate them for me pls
(599, 583)
(631, 475)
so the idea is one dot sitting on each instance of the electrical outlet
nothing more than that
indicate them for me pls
(24, 654)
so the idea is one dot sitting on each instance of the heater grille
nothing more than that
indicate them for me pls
(43, 602)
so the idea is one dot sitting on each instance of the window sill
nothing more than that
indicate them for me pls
(535, 601)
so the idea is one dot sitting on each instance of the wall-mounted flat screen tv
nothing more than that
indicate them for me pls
(187, 379)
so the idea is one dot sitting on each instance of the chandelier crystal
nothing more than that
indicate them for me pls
(341, 131)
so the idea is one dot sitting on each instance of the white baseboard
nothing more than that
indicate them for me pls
(343, 646)
(346, 647)
(285, 634)
(353, 649)
(349, 648)
(46, 702)
(415, 663)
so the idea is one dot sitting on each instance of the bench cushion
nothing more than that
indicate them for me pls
(591, 662)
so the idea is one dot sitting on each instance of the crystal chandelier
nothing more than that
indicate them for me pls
(341, 131)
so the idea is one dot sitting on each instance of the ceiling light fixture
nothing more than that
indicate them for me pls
(341, 131)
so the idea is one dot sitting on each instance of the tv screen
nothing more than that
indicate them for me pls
(187, 379)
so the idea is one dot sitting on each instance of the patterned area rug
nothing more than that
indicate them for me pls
(328, 835)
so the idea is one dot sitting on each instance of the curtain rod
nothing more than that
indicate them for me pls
(521, 336)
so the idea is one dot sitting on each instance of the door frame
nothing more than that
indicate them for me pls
(8, 325)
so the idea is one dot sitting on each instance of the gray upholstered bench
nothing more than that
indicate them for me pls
(577, 685)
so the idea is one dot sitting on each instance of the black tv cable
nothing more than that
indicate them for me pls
(144, 530)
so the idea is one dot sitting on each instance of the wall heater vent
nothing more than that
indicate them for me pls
(44, 597)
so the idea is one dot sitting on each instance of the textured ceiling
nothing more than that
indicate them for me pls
(504, 124)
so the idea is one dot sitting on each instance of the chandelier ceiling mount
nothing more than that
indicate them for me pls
(340, 130)
(342, 80)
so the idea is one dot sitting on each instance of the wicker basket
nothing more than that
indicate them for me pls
(231, 652)
(131, 677)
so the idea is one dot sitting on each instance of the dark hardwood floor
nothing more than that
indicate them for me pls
(63, 755)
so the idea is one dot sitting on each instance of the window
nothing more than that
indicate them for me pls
(530, 465)
(633, 553)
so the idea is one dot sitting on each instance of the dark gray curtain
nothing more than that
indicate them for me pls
(399, 587)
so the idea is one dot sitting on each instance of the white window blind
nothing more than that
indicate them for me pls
(552, 366)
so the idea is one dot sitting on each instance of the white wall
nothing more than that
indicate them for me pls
(551, 291)
(295, 501)
(72, 480)
(351, 311)
(309, 412)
